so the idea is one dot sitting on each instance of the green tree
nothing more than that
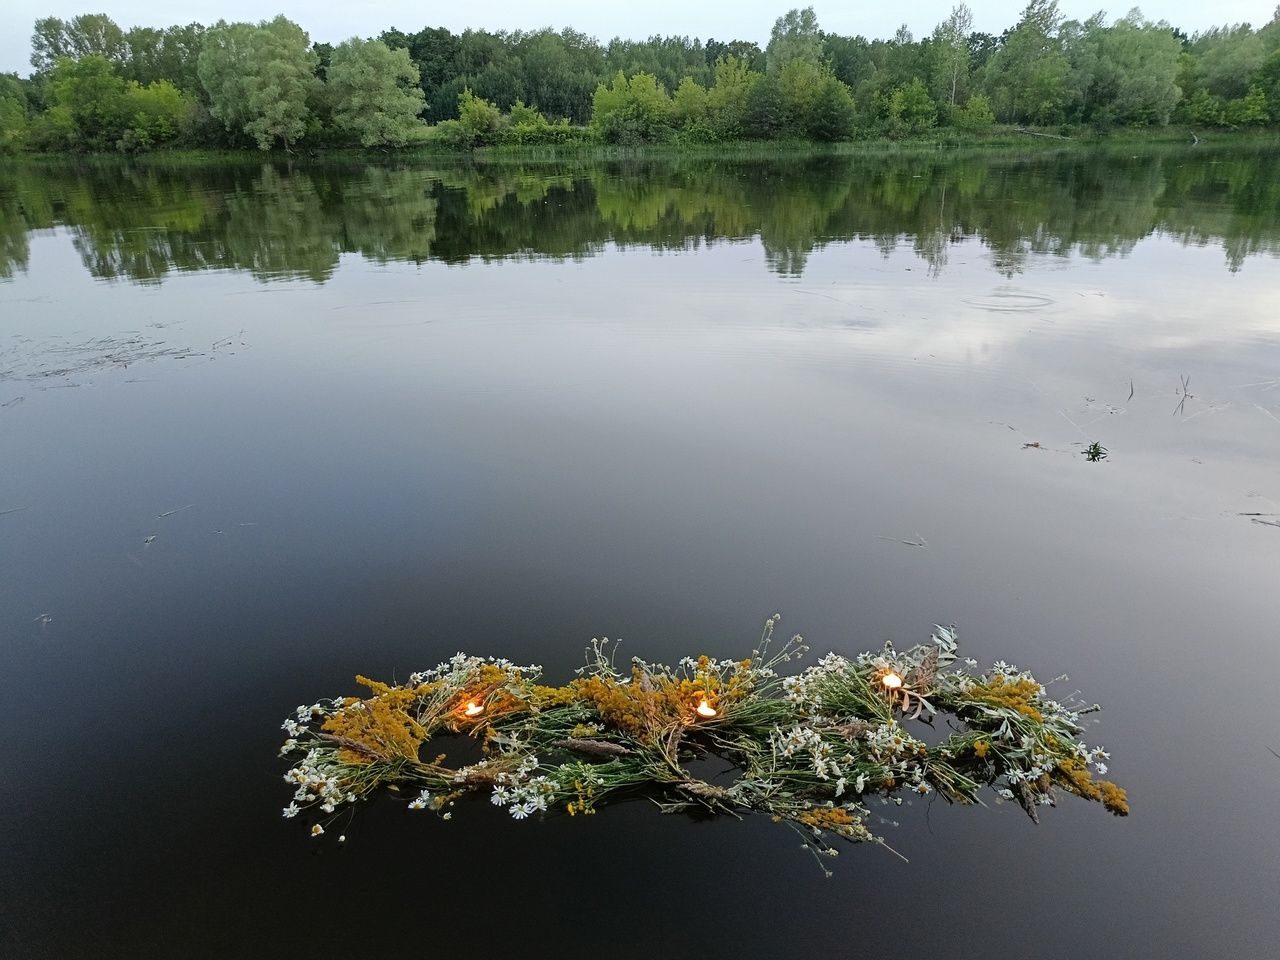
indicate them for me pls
(560, 71)
(911, 109)
(951, 40)
(1228, 59)
(93, 96)
(169, 54)
(831, 111)
(54, 130)
(282, 75)
(1267, 79)
(689, 105)
(631, 110)
(765, 116)
(223, 68)
(728, 98)
(258, 79)
(14, 126)
(527, 126)
(486, 64)
(1203, 109)
(850, 59)
(479, 118)
(798, 83)
(155, 114)
(375, 93)
(745, 50)
(89, 33)
(795, 36)
(1251, 110)
(669, 59)
(976, 115)
(11, 85)
(1126, 73)
(1026, 78)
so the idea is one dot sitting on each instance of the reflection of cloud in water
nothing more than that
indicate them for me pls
(1165, 298)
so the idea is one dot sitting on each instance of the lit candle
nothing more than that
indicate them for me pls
(473, 709)
(891, 680)
(705, 709)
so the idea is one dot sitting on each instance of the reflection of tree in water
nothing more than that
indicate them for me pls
(276, 222)
(277, 228)
(500, 214)
(388, 215)
(15, 250)
(133, 224)
(1237, 202)
(798, 207)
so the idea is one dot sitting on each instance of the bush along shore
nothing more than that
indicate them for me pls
(812, 750)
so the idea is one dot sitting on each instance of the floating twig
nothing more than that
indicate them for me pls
(1186, 395)
(919, 541)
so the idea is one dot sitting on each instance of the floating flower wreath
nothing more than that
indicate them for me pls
(810, 749)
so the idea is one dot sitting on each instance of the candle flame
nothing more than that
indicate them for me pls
(891, 680)
(705, 709)
(473, 709)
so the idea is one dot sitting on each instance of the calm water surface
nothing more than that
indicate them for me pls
(264, 428)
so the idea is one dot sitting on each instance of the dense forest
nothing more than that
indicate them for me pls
(98, 87)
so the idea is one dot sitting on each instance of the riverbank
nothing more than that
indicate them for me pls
(1000, 138)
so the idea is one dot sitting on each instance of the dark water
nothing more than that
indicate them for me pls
(372, 416)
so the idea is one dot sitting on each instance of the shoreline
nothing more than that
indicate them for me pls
(1003, 139)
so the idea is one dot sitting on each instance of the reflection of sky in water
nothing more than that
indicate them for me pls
(514, 457)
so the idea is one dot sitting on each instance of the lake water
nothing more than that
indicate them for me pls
(263, 428)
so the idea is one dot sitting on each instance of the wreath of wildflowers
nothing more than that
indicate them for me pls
(810, 750)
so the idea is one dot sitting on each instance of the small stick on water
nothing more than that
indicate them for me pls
(12, 510)
(1186, 382)
(919, 541)
(893, 851)
(170, 513)
(1130, 397)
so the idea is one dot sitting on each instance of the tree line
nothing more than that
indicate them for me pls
(96, 86)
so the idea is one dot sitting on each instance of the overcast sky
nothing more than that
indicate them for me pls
(722, 19)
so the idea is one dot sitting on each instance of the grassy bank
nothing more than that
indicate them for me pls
(999, 138)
